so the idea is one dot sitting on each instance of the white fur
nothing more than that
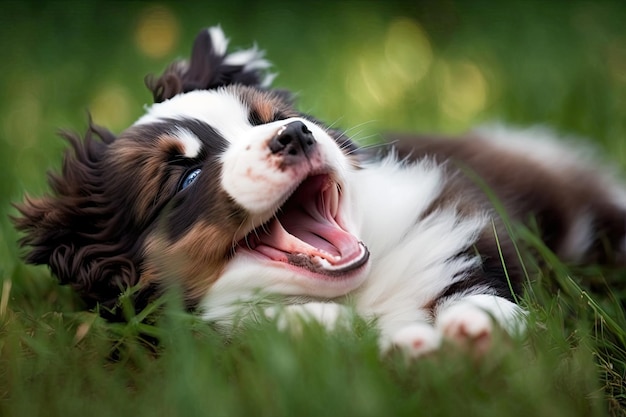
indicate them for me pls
(291, 317)
(414, 255)
(251, 177)
(564, 156)
(474, 314)
(218, 39)
(410, 265)
(539, 144)
(411, 258)
(467, 320)
(251, 59)
(218, 108)
(248, 174)
(416, 339)
(190, 142)
(561, 155)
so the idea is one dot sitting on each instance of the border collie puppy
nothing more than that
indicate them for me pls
(227, 191)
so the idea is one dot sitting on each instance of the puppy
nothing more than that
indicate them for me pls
(225, 190)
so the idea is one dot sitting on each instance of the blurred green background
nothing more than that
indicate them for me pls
(369, 67)
(440, 66)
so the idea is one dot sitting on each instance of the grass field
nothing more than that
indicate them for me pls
(364, 66)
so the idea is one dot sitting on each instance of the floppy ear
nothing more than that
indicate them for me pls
(211, 67)
(76, 230)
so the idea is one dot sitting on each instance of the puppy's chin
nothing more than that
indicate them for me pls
(289, 279)
(308, 238)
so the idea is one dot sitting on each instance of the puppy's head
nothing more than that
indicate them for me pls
(221, 180)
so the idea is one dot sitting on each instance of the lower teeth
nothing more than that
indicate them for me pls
(323, 262)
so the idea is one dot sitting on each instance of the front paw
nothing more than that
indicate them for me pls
(471, 330)
(473, 322)
(467, 326)
(414, 340)
(292, 317)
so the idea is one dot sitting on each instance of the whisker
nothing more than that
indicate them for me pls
(330, 126)
(245, 239)
(347, 131)
(234, 241)
(374, 146)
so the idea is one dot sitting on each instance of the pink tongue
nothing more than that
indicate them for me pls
(307, 228)
(309, 237)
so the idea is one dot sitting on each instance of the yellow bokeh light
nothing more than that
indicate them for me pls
(408, 50)
(462, 90)
(111, 107)
(385, 75)
(157, 31)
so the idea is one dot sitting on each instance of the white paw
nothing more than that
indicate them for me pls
(415, 340)
(291, 317)
(466, 325)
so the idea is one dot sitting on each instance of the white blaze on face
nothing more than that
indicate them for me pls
(251, 174)
(190, 142)
(257, 178)
(219, 108)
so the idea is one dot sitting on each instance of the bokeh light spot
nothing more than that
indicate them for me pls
(157, 31)
(462, 90)
(111, 107)
(408, 50)
(386, 73)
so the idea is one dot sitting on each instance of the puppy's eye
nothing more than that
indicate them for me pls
(189, 178)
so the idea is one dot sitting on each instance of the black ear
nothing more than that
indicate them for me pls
(211, 67)
(76, 230)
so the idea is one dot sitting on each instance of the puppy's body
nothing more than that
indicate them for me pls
(227, 191)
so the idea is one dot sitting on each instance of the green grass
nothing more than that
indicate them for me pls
(364, 66)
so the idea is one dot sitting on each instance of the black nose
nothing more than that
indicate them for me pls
(293, 140)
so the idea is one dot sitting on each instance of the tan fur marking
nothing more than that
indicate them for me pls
(148, 162)
(195, 261)
(264, 109)
(268, 105)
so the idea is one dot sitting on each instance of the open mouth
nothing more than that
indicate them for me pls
(307, 232)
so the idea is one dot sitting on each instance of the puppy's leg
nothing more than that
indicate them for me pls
(414, 340)
(328, 315)
(470, 320)
(410, 331)
(467, 321)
